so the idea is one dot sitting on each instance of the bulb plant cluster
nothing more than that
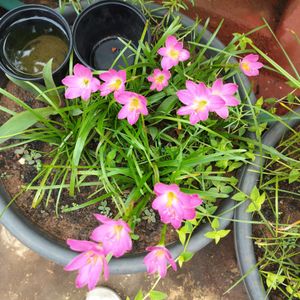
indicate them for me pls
(112, 238)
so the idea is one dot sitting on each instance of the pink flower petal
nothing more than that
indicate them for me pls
(94, 275)
(106, 76)
(173, 264)
(132, 117)
(105, 270)
(156, 260)
(83, 276)
(94, 85)
(194, 200)
(144, 110)
(202, 89)
(114, 236)
(158, 203)
(176, 223)
(159, 79)
(167, 63)
(171, 41)
(189, 214)
(222, 112)
(85, 94)
(104, 89)
(162, 51)
(72, 93)
(185, 110)
(167, 74)
(161, 188)
(200, 116)
(151, 78)
(231, 101)
(113, 81)
(82, 71)
(77, 262)
(122, 75)
(123, 113)
(217, 85)
(216, 102)
(78, 245)
(230, 88)
(250, 65)
(252, 57)
(102, 218)
(123, 97)
(153, 87)
(70, 81)
(159, 87)
(185, 97)
(192, 87)
(184, 55)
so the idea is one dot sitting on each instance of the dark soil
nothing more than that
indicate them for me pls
(75, 225)
(289, 208)
(50, 3)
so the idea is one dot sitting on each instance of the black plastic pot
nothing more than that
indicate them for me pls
(27, 18)
(31, 236)
(243, 228)
(98, 29)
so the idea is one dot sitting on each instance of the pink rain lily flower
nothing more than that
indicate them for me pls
(114, 81)
(81, 84)
(91, 263)
(114, 236)
(226, 92)
(250, 65)
(134, 105)
(199, 101)
(173, 205)
(173, 53)
(159, 79)
(157, 260)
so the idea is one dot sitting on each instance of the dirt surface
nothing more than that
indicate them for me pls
(27, 276)
(50, 3)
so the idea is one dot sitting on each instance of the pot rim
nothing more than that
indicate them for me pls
(38, 241)
(243, 230)
(63, 23)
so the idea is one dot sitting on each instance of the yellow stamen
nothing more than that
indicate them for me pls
(200, 105)
(92, 260)
(171, 196)
(160, 253)
(173, 53)
(134, 104)
(117, 230)
(116, 84)
(86, 81)
(88, 253)
(160, 79)
(245, 66)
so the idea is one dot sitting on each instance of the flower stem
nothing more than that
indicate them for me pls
(163, 235)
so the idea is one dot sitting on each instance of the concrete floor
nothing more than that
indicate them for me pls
(24, 275)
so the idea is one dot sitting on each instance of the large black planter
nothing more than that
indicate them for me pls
(243, 227)
(32, 237)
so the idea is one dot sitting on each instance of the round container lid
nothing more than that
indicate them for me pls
(102, 293)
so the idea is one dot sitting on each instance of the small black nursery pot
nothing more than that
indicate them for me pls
(30, 36)
(98, 29)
